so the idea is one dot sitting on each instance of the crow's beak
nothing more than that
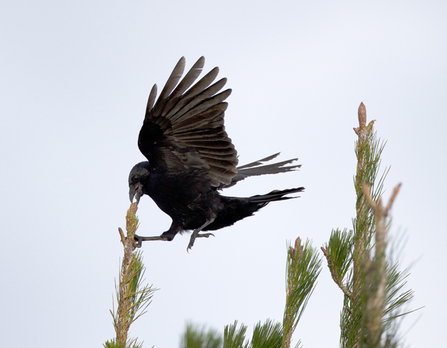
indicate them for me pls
(135, 191)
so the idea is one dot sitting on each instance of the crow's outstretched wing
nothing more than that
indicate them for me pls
(184, 129)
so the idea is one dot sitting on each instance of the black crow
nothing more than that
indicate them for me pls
(190, 157)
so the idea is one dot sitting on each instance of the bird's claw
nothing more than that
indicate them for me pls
(197, 235)
(138, 241)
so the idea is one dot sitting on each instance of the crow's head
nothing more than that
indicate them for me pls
(137, 178)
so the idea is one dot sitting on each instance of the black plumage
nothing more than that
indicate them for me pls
(190, 157)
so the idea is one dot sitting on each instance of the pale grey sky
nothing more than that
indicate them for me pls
(75, 80)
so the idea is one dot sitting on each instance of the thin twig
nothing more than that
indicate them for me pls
(334, 273)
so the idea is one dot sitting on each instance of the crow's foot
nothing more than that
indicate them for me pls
(197, 235)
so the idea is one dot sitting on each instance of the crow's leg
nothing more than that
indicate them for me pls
(196, 234)
(166, 236)
(139, 240)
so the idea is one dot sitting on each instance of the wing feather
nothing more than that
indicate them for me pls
(195, 90)
(184, 128)
(151, 99)
(169, 86)
(259, 168)
(187, 81)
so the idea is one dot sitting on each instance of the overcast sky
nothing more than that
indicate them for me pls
(75, 77)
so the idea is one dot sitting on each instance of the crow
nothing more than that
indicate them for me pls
(190, 158)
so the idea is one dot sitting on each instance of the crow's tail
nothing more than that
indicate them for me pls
(276, 195)
(235, 209)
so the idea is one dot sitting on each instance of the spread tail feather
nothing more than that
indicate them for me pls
(276, 195)
(236, 209)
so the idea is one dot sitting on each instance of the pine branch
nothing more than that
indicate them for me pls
(375, 271)
(196, 337)
(133, 298)
(265, 335)
(303, 268)
(357, 259)
(234, 337)
(368, 151)
(338, 253)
